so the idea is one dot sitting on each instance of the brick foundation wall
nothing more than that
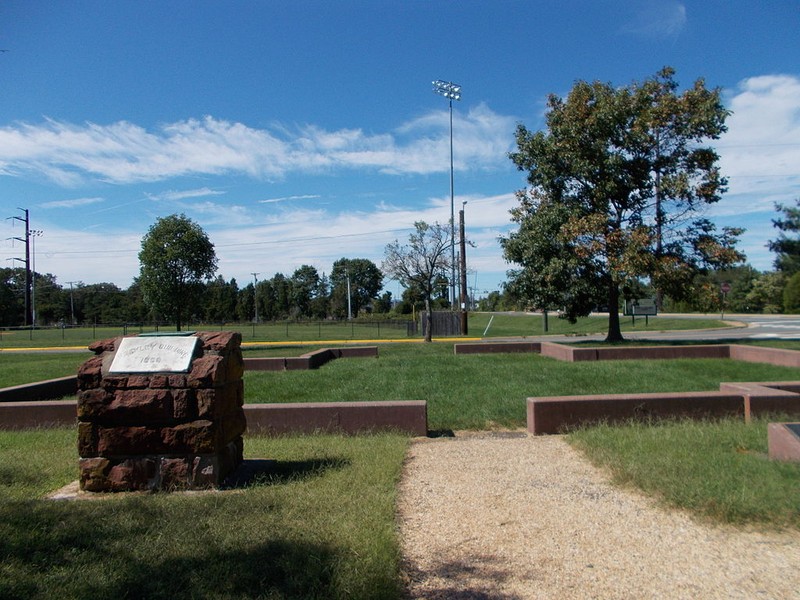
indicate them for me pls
(162, 431)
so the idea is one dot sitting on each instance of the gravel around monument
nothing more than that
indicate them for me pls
(518, 517)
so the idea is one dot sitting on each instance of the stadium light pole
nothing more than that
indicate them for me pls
(451, 91)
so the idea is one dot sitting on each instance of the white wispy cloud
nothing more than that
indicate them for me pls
(71, 203)
(760, 153)
(657, 19)
(290, 198)
(124, 152)
(172, 195)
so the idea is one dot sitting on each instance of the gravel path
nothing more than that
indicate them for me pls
(517, 517)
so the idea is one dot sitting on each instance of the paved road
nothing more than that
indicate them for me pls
(747, 327)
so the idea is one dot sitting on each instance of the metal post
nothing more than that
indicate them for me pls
(463, 270)
(451, 91)
(255, 294)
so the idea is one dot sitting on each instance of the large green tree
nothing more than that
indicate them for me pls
(366, 280)
(420, 263)
(618, 180)
(176, 258)
(787, 246)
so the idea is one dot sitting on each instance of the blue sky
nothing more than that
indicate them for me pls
(300, 132)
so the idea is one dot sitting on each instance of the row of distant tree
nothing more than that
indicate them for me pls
(305, 294)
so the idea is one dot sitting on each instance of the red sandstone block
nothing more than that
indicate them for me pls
(90, 373)
(215, 403)
(205, 372)
(115, 382)
(175, 474)
(129, 441)
(87, 440)
(197, 437)
(100, 346)
(93, 402)
(219, 341)
(139, 381)
(231, 427)
(93, 474)
(177, 381)
(184, 404)
(137, 407)
(159, 381)
(235, 366)
(132, 474)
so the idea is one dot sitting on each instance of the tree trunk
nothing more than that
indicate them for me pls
(614, 332)
(428, 319)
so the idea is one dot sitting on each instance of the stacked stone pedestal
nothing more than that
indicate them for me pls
(162, 431)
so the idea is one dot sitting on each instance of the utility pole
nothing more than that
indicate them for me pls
(255, 293)
(26, 240)
(71, 303)
(463, 271)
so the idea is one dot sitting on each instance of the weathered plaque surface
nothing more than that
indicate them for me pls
(171, 354)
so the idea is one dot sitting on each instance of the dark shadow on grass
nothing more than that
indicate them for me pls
(261, 471)
(132, 549)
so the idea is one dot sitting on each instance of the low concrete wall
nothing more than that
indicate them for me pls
(773, 356)
(556, 414)
(784, 441)
(41, 390)
(43, 413)
(410, 417)
(496, 347)
(310, 360)
(548, 415)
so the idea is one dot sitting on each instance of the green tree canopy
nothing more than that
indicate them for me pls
(176, 258)
(787, 247)
(366, 280)
(617, 182)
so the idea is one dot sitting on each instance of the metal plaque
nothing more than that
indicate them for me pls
(164, 354)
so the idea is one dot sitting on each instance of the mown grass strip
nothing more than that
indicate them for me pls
(716, 469)
(319, 523)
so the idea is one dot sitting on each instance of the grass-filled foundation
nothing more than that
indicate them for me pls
(717, 469)
(318, 524)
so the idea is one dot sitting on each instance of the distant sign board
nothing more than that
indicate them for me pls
(641, 307)
(725, 287)
(166, 354)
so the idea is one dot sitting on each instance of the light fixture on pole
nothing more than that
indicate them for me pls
(451, 91)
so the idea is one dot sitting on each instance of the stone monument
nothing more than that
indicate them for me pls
(161, 412)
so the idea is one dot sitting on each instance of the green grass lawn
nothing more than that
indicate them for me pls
(489, 390)
(717, 469)
(318, 524)
(512, 325)
(502, 325)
